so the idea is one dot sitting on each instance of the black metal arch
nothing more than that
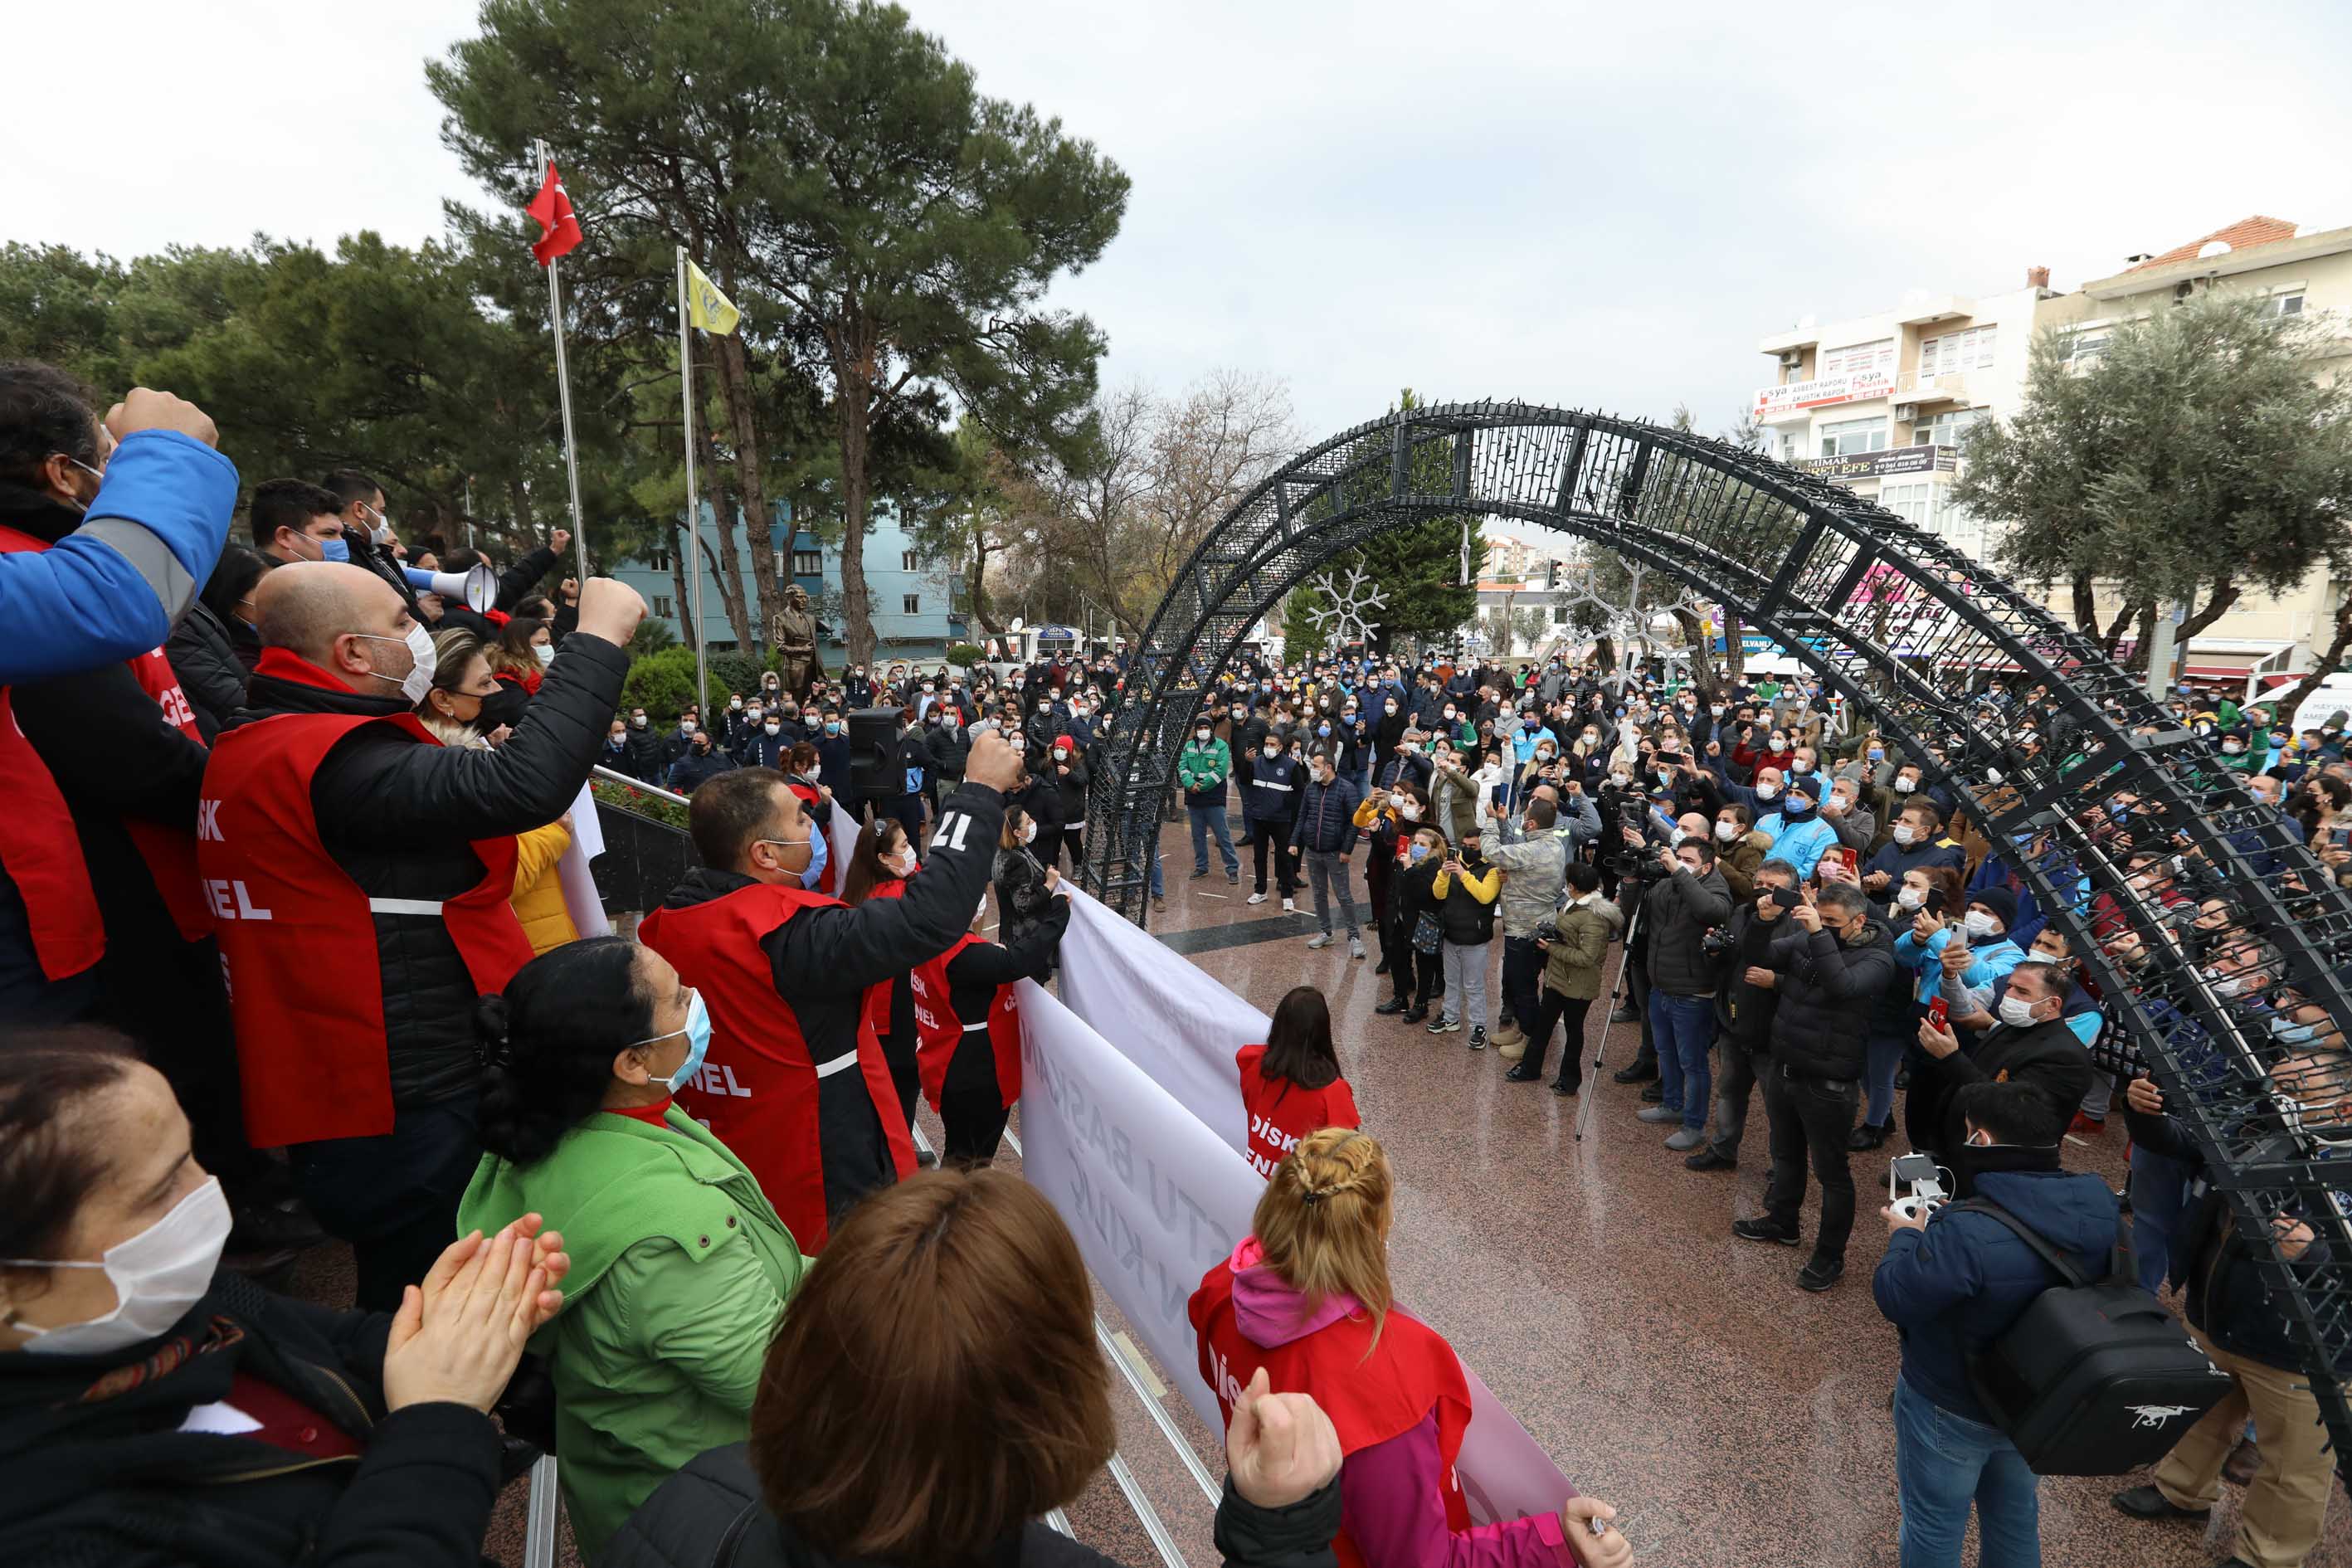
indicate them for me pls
(1895, 620)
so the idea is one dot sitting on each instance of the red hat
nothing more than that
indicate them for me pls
(1066, 743)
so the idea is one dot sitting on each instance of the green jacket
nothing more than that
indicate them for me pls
(1200, 767)
(680, 1271)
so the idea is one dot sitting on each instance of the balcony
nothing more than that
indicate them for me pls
(1915, 391)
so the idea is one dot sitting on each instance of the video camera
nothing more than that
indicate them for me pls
(1915, 1188)
(1634, 859)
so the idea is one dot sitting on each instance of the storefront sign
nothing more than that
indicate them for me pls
(1780, 402)
(1885, 465)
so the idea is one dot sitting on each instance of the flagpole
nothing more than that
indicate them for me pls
(563, 392)
(693, 496)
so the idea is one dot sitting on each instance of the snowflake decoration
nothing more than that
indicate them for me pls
(1626, 620)
(1344, 604)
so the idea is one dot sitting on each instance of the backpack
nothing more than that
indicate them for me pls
(2096, 1377)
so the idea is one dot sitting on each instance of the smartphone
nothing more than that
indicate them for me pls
(2340, 836)
(1937, 1010)
(1935, 905)
(1850, 860)
(1786, 897)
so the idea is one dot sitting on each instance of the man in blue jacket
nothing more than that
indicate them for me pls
(1799, 834)
(1325, 832)
(1954, 1282)
(1269, 807)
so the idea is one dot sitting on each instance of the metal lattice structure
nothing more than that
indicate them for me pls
(1628, 618)
(2160, 867)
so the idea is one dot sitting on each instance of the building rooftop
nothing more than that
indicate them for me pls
(2242, 235)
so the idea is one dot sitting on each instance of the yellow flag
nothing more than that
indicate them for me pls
(705, 307)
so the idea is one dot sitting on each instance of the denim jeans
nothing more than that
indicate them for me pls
(2159, 1193)
(1683, 1027)
(1208, 820)
(1327, 872)
(1523, 967)
(1942, 1463)
(1882, 1059)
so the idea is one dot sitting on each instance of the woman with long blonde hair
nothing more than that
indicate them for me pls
(1307, 1297)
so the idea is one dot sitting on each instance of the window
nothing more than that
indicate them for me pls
(658, 561)
(2288, 304)
(1788, 448)
(661, 603)
(1847, 437)
(2083, 346)
(1930, 507)
(908, 561)
(1855, 358)
(1957, 351)
(1558, 613)
(808, 562)
(1947, 429)
(912, 603)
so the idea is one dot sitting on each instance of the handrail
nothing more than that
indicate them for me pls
(620, 778)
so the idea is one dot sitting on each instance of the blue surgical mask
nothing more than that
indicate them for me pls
(334, 550)
(2292, 1034)
(1417, 853)
(833, 727)
(698, 1042)
(819, 852)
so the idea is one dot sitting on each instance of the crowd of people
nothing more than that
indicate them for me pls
(285, 955)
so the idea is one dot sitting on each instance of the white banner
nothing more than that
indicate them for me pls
(1154, 1199)
(581, 899)
(1171, 1019)
(840, 840)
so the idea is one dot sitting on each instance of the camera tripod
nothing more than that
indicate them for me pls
(1601, 1057)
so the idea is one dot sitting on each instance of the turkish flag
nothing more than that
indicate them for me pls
(559, 230)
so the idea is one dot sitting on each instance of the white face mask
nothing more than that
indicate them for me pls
(814, 770)
(1766, 792)
(2016, 1014)
(546, 651)
(1201, 736)
(1677, 837)
(1910, 898)
(1904, 833)
(1726, 831)
(772, 728)
(1978, 923)
(1028, 832)
(157, 1276)
(422, 662)
(1904, 786)
(1271, 751)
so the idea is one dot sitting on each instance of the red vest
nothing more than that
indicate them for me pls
(1281, 1113)
(877, 995)
(42, 851)
(1372, 1393)
(758, 1087)
(298, 936)
(938, 1031)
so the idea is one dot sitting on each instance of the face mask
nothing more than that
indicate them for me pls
(833, 726)
(1411, 812)
(2232, 747)
(1766, 792)
(1621, 779)
(157, 1276)
(1322, 728)
(685, 726)
(1201, 736)
(335, 549)
(1391, 707)
(1910, 898)
(2225, 985)
(1904, 786)
(697, 1043)
(1028, 832)
(735, 703)
(1545, 753)
(1977, 923)
(2291, 1034)
(1417, 854)
(637, 723)
(545, 651)
(1665, 775)
(1592, 736)
(1271, 751)
(2016, 1014)
(421, 664)
(1677, 837)
(772, 728)
(903, 863)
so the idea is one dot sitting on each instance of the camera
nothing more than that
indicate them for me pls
(1915, 1188)
(1716, 943)
(1634, 859)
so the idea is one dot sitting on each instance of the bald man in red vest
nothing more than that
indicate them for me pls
(358, 873)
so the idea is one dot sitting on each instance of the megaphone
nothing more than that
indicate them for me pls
(476, 589)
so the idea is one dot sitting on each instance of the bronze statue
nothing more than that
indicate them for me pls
(792, 631)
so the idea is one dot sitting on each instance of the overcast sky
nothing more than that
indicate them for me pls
(1598, 206)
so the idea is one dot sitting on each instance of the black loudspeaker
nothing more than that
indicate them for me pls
(873, 736)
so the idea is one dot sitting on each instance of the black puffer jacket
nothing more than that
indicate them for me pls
(399, 819)
(1676, 914)
(1743, 1012)
(691, 1520)
(1828, 991)
(212, 676)
(110, 1481)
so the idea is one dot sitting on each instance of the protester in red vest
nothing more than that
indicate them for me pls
(359, 873)
(1291, 1085)
(1307, 1297)
(795, 1081)
(971, 1069)
(878, 868)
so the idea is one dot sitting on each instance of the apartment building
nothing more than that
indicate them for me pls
(1879, 403)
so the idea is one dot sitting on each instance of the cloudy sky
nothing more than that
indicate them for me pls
(1604, 206)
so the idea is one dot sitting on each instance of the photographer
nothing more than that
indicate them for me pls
(1743, 1006)
(1688, 897)
(1829, 969)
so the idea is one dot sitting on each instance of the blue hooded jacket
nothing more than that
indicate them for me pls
(1958, 1284)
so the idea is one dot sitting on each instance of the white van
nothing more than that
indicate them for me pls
(2333, 696)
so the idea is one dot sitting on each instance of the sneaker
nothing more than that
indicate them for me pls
(1199, 872)
(1763, 1230)
(1322, 940)
(1356, 949)
(1289, 908)
(1159, 903)
(1254, 898)
(1689, 1138)
(2086, 1126)
(1659, 1113)
(1478, 1036)
(1441, 1024)
(1232, 879)
(1711, 1158)
(1393, 1006)
(1819, 1274)
(2147, 1502)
